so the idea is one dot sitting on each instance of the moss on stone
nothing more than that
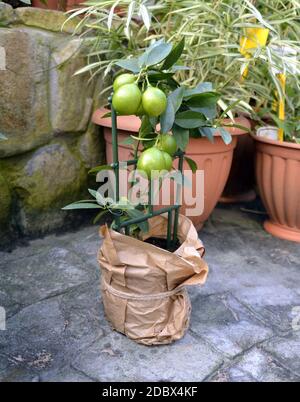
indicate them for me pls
(5, 202)
(50, 20)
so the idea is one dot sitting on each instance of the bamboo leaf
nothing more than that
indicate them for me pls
(145, 16)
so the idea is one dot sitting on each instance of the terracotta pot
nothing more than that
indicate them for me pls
(241, 180)
(49, 5)
(278, 178)
(72, 4)
(61, 5)
(215, 159)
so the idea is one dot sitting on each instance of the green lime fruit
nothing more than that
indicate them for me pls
(127, 99)
(168, 161)
(154, 101)
(168, 144)
(123, 79)
(152, 162)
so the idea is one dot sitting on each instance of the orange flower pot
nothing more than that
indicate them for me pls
(278, 179)
(213, 158)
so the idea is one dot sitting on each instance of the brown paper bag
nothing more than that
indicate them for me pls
(143, 286)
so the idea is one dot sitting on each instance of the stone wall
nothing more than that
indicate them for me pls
(45, 114)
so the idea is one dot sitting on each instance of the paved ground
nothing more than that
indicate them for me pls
(241, 328)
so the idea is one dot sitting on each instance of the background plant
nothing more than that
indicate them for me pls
(211, 29)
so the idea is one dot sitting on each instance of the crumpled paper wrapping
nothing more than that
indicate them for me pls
(143, 286)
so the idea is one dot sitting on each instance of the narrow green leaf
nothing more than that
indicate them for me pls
(146, 16)
(174, 55)
(225, 135)
(108, 114)
(146, 127)
(167, 118)
(144, 225)
(208, 132)
(99, 216)
(192, 164)
(127, 141)
(176, 98)
(92, 192)
(81, 205)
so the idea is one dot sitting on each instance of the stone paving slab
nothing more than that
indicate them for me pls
(241, 325)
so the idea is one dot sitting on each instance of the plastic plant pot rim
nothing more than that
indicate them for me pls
(132, 123)
(265, 140)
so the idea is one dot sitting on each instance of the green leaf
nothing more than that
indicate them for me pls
(209, 112)
(189, 119)
(144, 225)
(153, 121)
(168, 117)
(127, 141)
(155, 55)
(146, 127)
(176, 98)
(199, 89)
(92, 192)
(225, 135)
(205, 103)
(146, 16)
(129, 64)
(204, 99)
(208, 132)
(81, 205)
(99, 198)
(192, 164)
(182, 136)
(174, 55)
(99, 216)
(179, 68)
(155, 77)
(108, 114)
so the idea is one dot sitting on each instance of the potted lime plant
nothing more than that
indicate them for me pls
(215, 33)
(196, 124)
(211, 57)
(142, 242)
